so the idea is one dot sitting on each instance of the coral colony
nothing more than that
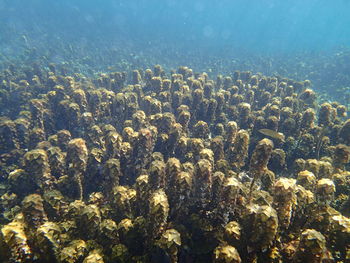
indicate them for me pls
(155, 166)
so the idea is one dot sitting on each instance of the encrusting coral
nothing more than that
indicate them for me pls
(157, 167)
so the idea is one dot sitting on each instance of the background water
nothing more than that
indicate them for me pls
(295, 38)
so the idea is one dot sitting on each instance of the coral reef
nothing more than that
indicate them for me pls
(158, 167)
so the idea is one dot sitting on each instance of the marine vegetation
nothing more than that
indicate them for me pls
(156, 166)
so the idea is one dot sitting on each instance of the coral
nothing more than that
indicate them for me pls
(344, 132)
(8, 136)
(21, 183)
(285, 200)
(240, 149)
(179, 167)
(33, 211)
(341, 156)
(325, 190)
(233, 232)
(158, 213)
(306, 179)
(261, 226)
(77, 157)
(48, 241)
(312, 247)
(14, 242)
(111, 175)
(36, 163)
(203, 181)
(226, 254)
(170, 241)
(260, 158)
(326, 115)
(124, 199)
(75, 251)
(90, 220)
(94, 256)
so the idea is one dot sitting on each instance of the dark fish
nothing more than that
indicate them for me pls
(272, 134)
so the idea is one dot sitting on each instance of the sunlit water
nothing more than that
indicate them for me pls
(292, 38)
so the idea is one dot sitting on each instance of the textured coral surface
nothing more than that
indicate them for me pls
(155, 166)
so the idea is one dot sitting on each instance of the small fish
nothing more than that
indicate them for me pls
(272, 134)
(24, 38)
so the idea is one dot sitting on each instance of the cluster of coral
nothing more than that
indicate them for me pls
(156, 167)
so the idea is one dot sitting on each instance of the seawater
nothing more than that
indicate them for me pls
(299, 39)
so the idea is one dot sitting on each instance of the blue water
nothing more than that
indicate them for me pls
(295, 38)
(258, 25)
